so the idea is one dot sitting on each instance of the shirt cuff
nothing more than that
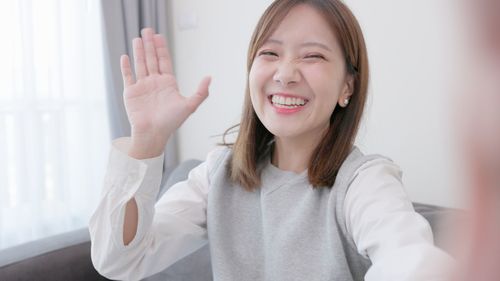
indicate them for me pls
(132, 176)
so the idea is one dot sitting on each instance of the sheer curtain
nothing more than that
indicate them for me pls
(54, 135)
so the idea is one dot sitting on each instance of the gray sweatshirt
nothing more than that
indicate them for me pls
(286, 230)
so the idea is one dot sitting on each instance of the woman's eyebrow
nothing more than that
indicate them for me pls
(305, 44)
(316, 44)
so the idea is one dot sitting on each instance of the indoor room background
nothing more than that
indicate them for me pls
(54, 128)
(412, 48)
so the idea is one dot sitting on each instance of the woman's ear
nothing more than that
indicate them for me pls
(347, 91)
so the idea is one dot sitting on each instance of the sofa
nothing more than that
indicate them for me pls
(67, 256)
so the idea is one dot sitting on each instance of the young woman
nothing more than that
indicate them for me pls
(292, 198)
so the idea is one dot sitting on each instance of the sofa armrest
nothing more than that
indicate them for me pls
(60, 257)
(442, 220)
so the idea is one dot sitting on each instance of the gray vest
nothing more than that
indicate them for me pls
(286, 230)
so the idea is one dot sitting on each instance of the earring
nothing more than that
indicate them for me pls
(346, 102)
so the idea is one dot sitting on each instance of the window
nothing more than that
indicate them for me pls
(54, 135)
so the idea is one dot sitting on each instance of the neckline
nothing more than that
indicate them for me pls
(273, 178)
(277, 170)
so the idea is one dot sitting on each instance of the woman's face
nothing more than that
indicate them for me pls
(298, 76)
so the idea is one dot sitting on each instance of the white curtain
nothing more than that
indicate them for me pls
(54, 134)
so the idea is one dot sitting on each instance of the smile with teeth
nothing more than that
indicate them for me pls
(287, 102)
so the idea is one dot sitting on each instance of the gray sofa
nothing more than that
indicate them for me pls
(67, 256)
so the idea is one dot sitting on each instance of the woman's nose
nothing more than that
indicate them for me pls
(286, 73)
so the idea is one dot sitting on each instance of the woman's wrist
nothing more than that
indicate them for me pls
(145, 150)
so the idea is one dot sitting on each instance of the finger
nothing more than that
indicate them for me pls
(139, 60)
(201, 94)
(149, 48)
(128, 79)
(164, 60)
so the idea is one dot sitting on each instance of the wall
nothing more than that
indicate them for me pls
(410, 45)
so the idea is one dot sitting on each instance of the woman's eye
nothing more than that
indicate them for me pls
(315, 56)
(268, 53)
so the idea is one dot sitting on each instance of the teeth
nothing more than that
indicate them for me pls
(280, 100)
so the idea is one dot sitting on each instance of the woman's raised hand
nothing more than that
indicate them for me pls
(154, 106)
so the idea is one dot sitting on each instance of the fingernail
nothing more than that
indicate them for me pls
(146, 31)
(136, 42)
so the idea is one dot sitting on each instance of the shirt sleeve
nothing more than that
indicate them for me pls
(167, 231)
(387, 230)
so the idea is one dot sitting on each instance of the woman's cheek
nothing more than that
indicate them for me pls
(255, 89)
(257, 80)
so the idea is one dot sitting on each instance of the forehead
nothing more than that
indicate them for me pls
(304, 23)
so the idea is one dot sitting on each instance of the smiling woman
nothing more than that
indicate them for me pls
(315, 66)
(51, 147)
(293, 198)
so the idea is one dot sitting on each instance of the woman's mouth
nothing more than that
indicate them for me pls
(287, 104)
(287, 101)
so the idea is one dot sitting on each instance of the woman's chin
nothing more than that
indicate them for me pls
(284, 132)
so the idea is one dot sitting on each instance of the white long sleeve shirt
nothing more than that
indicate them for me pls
(378, 214)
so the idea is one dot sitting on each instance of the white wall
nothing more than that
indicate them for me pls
(216, 47)
(410, 46)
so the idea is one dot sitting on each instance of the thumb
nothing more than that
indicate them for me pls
(201, 94)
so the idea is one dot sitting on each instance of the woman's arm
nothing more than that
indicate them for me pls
(166, 231)
(154, 106)
(128, 240)
(387, 230)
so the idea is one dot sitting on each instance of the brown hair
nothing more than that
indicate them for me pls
(253, 138)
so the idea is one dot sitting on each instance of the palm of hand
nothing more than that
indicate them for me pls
(151, 101)
(154, 106)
